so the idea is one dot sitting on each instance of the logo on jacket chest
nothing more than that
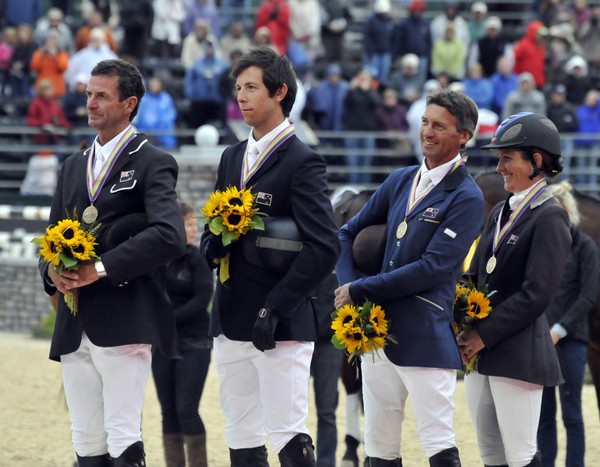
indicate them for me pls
(126, 176)
(264, 198)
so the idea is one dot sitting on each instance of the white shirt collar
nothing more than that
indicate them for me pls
(108, 148)
(266, 140)
(437, 174)
(519, 196)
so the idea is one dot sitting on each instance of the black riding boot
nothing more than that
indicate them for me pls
(133, 456)
(377, 462)
(249, 457)
(536, 461)
(298, 452)
(94, 461)
(446, 458)
(351, 454)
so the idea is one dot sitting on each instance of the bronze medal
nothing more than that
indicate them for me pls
(90, 214)
(401, 230)
(490, 265)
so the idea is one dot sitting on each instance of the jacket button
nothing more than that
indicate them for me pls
(391, 263)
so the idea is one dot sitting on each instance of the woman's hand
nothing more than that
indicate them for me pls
(470, 344)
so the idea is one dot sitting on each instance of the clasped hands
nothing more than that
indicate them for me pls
(68, 280)
(470, 344)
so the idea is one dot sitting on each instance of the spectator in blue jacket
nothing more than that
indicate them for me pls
(478, 87)
(504, 81)
(201, 87)
(326, 100)
(587, 146)
(413, 35)
(158, 113)
(378, 40)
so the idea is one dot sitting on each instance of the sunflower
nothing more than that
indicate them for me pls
(479, 305)
(50, 248)
(83, 248)
(375, 343)
(214, 205)
(353, 339)
(67, 231)
(236, 219)
(239, 198)
(377, 320)
(345, 318)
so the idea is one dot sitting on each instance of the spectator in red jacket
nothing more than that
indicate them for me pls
(275, 15)
(530, 52)
(47, 114)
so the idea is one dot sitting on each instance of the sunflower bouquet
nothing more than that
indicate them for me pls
(230, 214)
(66, 246)
(359, 329)
(470, 305)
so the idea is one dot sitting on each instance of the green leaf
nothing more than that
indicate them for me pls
(67, 261)
(257, 223)
(228, 237)
(337, 343)
(366, 310)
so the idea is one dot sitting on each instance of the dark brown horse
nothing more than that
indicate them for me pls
(492, 185)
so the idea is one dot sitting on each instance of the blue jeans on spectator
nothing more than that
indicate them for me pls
(362, 161)
(572, 355)
(325, 368)
(179, 383)
(381, 63)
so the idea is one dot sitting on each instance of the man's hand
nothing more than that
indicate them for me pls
(342, 296)
(73, 279)
(263, 331)
(215, 249)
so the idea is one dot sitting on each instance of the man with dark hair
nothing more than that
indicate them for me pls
(263, 320)
(433, 213)
(127, 186)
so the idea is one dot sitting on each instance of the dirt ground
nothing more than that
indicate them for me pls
(34, 424)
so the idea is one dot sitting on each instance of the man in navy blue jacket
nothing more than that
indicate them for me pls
(433, 213)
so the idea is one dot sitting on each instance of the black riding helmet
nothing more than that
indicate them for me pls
(528, 130)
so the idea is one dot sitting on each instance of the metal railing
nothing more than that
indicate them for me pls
(393, 150)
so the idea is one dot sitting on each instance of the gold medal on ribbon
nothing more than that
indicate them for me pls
(90, 214)
(490, 265)
(402, 228)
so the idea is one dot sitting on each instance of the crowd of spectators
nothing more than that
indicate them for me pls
(507, 57)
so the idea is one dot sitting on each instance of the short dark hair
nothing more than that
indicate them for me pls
(461, 106)
(277, 71)
(130, 83)
(185, 208)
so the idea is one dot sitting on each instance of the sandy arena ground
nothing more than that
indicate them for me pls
(34, 424)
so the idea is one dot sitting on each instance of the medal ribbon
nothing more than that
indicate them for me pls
(95, 185)
(248, 172)
(413, 200)
(501, 233)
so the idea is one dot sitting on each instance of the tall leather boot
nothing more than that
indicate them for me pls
(196, 450)
(298, 452)
(446, 458)
(350, 458)
(377, 462)
(249, 457)
(173, 447)
(536, 461)
(133, 456)
(94, 461)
